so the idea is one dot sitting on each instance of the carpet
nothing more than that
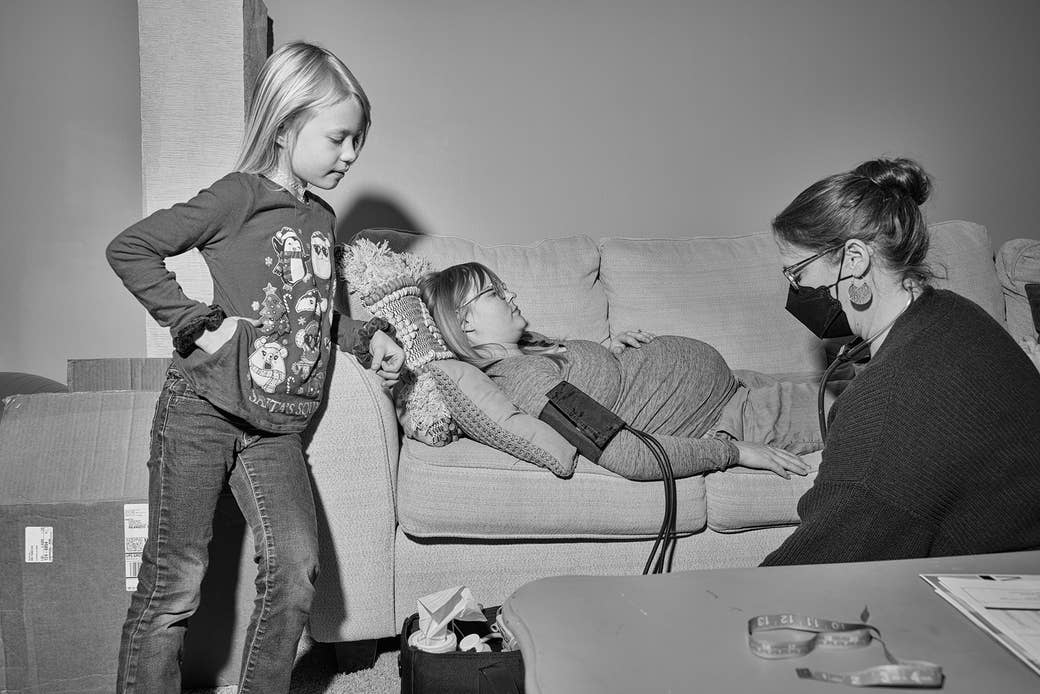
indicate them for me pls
(316, 672)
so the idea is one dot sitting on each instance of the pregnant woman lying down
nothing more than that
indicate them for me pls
(679, 389)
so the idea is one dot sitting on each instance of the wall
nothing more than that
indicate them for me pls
(70, 180)
(512, 121)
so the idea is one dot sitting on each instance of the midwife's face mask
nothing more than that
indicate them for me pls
(817, 310)
(814, 307)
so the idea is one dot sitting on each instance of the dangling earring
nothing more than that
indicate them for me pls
(860, 294)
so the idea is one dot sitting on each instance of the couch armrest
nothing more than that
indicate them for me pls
(1018, 264)
(353, 453)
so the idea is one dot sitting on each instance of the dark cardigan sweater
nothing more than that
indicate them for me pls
(933, 450)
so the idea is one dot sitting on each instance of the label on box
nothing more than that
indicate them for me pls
(135, 532)
(39, 544)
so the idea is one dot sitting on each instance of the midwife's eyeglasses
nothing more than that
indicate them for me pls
(499, 289)
(791, 272)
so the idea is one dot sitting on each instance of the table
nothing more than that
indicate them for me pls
(687, 631)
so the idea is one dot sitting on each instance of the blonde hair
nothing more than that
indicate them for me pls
(446, 290)
(296, 80)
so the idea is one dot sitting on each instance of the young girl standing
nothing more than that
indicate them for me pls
(249, 371)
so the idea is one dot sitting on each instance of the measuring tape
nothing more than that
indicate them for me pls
(805, 633)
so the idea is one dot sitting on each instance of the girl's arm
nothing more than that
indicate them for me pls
(348, 332)
(372, 345)
(137, 254)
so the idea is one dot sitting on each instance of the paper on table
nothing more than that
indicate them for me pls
(1011, 596)
(1004, 606)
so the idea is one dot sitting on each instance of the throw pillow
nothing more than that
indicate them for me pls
(484, 413)
(422, 410)
(387, 284)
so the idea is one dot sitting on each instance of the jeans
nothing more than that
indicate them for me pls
(195, 450)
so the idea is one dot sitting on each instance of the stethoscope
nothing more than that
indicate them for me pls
(849, 352)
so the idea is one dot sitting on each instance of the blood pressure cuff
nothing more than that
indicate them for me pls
(585, 423)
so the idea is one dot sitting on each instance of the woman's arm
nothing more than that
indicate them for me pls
(844, 521)
(526, 380)
(629, 457)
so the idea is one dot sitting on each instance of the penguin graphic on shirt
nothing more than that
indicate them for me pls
(292, 257)
(311, 303)
(321, 255)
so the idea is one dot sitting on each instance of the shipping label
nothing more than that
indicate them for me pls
(135, 532)
(39, 544)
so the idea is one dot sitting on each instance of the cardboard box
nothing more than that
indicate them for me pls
(124, 373)
(72, 474)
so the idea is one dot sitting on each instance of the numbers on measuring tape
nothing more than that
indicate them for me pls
(837, 635)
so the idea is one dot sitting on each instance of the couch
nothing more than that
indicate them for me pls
(399, 519)
(410, 519)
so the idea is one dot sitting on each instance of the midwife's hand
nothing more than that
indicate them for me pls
(1032, 348)
(212, 340)
(759, 456)
(387, 358)
(630, 338)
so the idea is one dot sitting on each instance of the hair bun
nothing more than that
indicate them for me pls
(903, 177)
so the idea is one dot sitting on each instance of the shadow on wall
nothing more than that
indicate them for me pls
(371, 211)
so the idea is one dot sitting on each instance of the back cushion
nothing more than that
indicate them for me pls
(1018, 264)
(555, 280)
(961, 252)
(730, 293)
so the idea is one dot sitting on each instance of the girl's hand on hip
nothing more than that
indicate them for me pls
(759, 456)
(630, 338)
(387, 358)
(212, 340)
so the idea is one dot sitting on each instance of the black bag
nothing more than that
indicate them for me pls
(458, 672)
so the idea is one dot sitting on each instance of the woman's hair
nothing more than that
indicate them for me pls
(296, 80)
(878, 202)
(446, 290)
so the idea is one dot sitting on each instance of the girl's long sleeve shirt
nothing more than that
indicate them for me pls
(271, 258)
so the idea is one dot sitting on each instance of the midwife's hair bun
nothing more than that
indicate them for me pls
(900, 177)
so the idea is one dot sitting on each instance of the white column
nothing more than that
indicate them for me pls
(198, 62)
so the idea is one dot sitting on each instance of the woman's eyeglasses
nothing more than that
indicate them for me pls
(791, 272)
(499, 289)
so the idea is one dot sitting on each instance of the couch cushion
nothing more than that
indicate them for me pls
(730, 293)
(468, 490)
(744, 499)
(1018, 264)
(555, 279)
(961, 251)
